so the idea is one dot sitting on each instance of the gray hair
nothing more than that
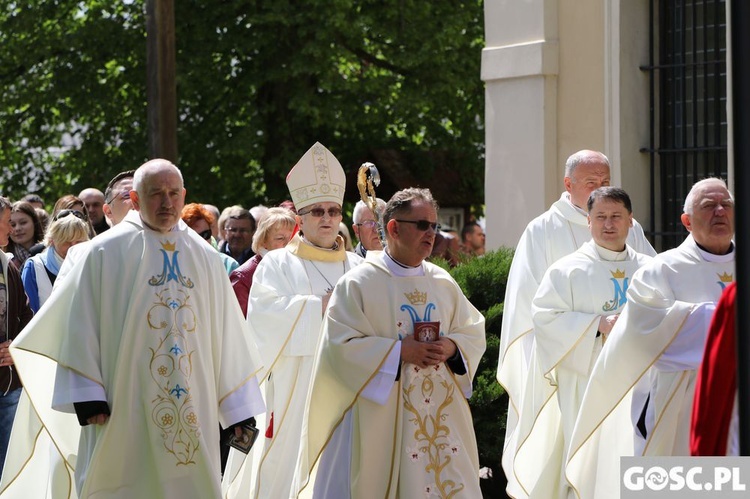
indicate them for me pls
(5, 204)
(149, 167)
(690, 198)
(584, 156)
(360, 207)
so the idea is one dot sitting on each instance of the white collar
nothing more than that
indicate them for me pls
(398, 269)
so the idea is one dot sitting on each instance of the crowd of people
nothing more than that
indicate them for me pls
(153, 337)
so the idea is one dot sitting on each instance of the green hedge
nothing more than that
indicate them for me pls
(483, 281)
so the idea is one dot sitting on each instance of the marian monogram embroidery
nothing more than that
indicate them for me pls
(620, 284)
(171, 319)
(171, 269)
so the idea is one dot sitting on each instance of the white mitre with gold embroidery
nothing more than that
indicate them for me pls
(316, 178)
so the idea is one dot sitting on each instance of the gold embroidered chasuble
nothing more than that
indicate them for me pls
(662, 297)
(155, 323)
(574, 294)
(420, 442)
(558, 232)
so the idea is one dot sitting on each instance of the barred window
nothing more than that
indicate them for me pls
(688, 87)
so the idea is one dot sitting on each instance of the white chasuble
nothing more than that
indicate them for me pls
(285, 314)
(151, 319)
(652, 352)
(419, 442)
(558, 232)
(575, 293)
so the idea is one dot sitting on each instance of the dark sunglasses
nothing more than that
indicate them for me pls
(422, 225)
(319, 212)
(65, 213)
(206, 234)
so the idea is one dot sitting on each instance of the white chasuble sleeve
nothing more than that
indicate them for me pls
(379, 388)
(283, 314)
(682, 353)
(563, 335)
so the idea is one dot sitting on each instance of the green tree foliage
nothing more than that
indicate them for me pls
(258, 81)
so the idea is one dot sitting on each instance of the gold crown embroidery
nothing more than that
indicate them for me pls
(168, 246)
(417, 297)
(618, 274)
(725, 277)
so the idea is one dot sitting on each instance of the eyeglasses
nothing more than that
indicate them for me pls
(422, 225)
(124, 196)
(370, 224)
(319, 212)
(206, 234)
(65, 213)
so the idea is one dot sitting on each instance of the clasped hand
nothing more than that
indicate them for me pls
(425, 354)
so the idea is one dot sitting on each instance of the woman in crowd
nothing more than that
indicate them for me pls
(68, 228)
(26, 232)
(275, 230)
(200, 219)
(71, 202)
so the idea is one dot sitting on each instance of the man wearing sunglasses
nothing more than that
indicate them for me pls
(365, 227)
(388, 409)
(150, 352)
(289, 295)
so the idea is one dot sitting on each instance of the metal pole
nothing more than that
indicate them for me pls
(740, 46)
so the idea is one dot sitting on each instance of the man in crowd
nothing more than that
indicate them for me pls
(15, 313)
(152, 352)
(94, 201)
(647, 368)
(117, 202)
(556, 233)
(575, 307)
(472, 239)
(238, 234)
(290, 293)
(388, 409)
(365, 227)
(34, 200)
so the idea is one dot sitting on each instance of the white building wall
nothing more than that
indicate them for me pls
(560, 76)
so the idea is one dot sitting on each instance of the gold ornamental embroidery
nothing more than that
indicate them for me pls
(432, 435)
(171, 367)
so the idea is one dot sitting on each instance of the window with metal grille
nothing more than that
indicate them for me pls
(688, 87)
